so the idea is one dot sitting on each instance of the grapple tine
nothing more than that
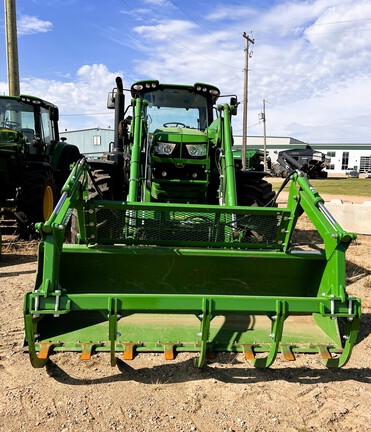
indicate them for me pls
(36, 361)
(205, 330)
(276, 335)
(352, 328)
(112, 329)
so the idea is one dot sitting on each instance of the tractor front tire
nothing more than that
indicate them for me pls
(37, 198)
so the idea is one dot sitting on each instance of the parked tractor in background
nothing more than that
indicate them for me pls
(312, 162)
(34, 162)
(179, 249)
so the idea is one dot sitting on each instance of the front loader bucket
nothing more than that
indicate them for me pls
(172, 278)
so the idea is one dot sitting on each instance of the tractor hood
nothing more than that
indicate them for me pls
(180, 135)
(10, 136)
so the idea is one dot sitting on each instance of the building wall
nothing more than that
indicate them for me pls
(346, 157)
(91, 142)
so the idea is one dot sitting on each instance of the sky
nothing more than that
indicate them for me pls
(310, 60)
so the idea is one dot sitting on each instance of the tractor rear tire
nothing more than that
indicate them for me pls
(254, 192)
(37, 199)
(70, 154)
(103, 181)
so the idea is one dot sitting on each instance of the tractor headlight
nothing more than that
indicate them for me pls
(196, 150)
(164, 149)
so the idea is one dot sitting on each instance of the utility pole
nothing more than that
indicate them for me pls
(12, 47)
(265, 136)
(245, 98)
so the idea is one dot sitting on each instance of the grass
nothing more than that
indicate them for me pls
(337, 186)
(12, 245)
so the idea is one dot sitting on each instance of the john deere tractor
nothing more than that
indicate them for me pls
(178, 249)
(175, 143)
(34, 163)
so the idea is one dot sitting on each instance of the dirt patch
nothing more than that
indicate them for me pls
(149, 393)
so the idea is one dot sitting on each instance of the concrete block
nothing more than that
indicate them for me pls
(351, 217)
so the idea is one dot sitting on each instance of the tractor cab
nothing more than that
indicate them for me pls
(30, 123)
(177, 145)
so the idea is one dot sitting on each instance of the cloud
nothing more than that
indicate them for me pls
(342, 29)
(28, 25)
(222, 13)
(157, 3)
(178, 45)
(321, 118)
(292, 68)
(311, 61)
(84, 93)
(169, 29)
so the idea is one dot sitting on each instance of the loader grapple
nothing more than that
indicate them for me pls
(160, 277)
(180, 225)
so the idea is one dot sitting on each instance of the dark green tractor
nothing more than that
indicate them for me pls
(34, 162)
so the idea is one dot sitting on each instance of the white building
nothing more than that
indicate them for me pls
(343, 157)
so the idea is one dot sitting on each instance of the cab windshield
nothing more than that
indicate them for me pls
(30, 119)
(174, 107)
(16, 115)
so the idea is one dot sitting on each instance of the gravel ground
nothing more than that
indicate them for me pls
(149, 393)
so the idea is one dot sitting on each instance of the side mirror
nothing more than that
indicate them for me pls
(54, 114)
(234, 104)
(111, 100)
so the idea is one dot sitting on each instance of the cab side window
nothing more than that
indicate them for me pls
(46, 129)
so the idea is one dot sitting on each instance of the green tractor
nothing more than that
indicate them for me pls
(177, 149)
(34, 163)
(179, 249)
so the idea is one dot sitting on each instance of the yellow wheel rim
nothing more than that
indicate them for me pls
(48, 202)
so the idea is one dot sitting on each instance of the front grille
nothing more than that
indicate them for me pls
(185, 172)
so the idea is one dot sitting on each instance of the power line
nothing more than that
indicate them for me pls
(341, 22)
(199, 25)
(176, 41)
(335, 32)
(84, 114)
(301, 27)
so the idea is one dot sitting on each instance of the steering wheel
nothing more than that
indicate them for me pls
(175, 124)
(10, 124)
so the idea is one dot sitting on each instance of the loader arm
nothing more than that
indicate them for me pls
(228, 165)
